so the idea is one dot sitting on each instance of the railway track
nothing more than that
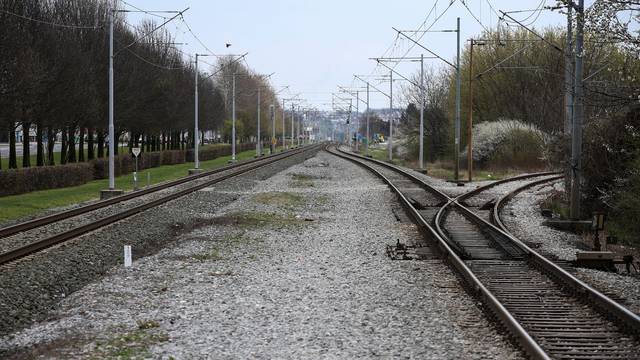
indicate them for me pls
(548, 311)
(42, 233)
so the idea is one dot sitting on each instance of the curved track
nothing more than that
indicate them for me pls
(102, 213)
(550, 313)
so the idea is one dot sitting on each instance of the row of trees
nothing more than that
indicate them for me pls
(528, 86)
(517, 76)
(54, 79)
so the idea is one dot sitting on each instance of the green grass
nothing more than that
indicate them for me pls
(382, 154)
(17, 206)
(281, 199)
(437, 171)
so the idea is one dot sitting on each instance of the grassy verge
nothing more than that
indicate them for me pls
(437, 171)
(17, 206)
(441, 170)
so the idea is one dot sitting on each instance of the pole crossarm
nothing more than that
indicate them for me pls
(179, 13)
(496, 65)
(240, 57)
(375, 88)
(397, 73)
(531, 31)
(425, 48)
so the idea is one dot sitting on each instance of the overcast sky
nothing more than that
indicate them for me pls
(312, 46)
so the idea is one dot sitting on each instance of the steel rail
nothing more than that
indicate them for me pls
(626, 320)
(529, 345)
(45, 220)
(605, 304)
(37, 246)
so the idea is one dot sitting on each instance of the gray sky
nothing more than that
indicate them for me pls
(312, 46)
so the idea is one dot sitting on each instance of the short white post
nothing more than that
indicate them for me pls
(127, 256)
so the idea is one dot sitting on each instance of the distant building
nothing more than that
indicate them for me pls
(20, 133)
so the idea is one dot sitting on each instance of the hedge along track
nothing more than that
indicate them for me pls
(549, 312)
(39, 245)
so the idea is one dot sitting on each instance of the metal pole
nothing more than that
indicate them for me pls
(470, 122)
(195, 126)
(112, 180)
(259, 143)
(357, 118)
(233, 118)
(421, 157)
(293, 116)
(390, 115)
(366, 148)
(284, 128)
(298, 128)
(456, 155)
(568, 97)
(578, 115)
(274, 142)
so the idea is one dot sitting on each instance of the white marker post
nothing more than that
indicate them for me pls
(135, 151)
(127, 256)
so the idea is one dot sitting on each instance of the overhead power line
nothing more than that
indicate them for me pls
(66, 26)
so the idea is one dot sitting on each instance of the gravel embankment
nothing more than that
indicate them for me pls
(294, 269)
(522, 217)
(39, 233)
(29, 288)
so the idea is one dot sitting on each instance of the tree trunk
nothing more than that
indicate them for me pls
(116, 143)
(13, 162)
(100, 144)
(51, 143)
(90, 153)
(63, 148)
(26, 150)
(39, 146)
(81, 145)
(71, 154)
(131, 143)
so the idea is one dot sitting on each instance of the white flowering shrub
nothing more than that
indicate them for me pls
(508, 143)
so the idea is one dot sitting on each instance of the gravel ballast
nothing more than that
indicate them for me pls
(522, 217)
(30, 287)
(295, 268)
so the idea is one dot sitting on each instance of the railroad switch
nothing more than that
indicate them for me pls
(401, 251)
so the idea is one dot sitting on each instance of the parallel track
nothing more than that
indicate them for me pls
(548, 311)
(39, 245)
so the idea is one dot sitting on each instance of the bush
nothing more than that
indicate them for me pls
(611, 168)
(172, 157)
(123, 164)
(19, 181)
(508, 144)
(211, 152)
